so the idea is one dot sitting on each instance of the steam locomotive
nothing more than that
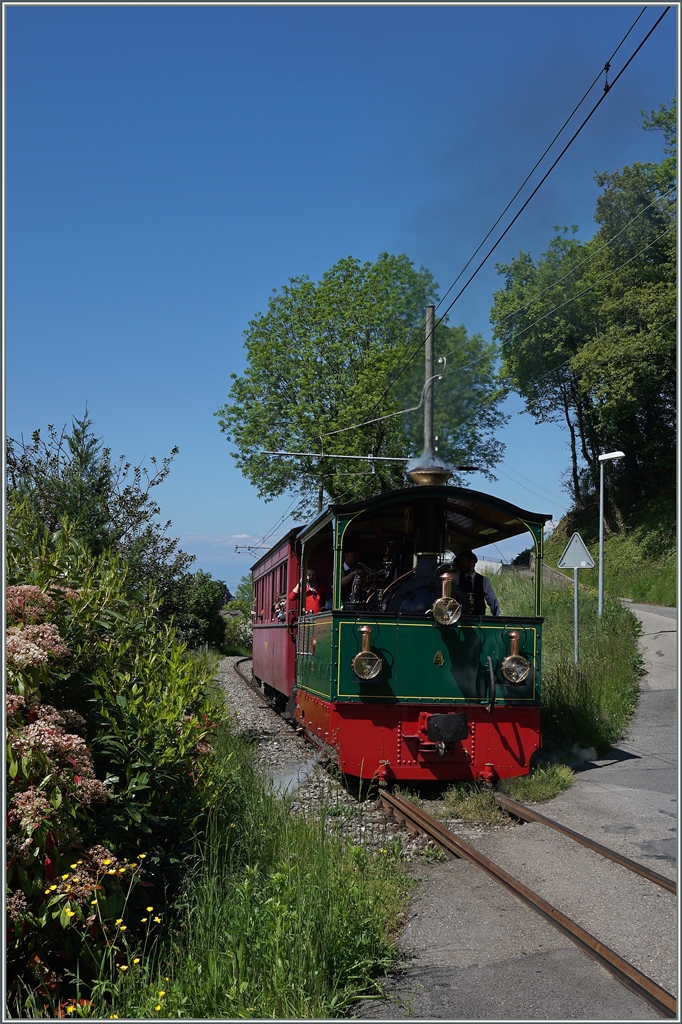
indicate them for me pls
(399, 680)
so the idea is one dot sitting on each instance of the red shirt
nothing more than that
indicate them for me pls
(314, 598)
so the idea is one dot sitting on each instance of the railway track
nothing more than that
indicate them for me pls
(417, 820)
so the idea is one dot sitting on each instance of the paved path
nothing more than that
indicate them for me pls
(474, 952)
(628, 800)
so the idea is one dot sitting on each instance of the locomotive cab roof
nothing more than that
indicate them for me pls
(475, 517)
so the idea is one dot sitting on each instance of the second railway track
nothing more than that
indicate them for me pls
(416, 819)
(419, 821)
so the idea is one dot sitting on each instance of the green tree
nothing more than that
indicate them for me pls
(588, 332)
(243, 598)
(328, 356)
(71, 478)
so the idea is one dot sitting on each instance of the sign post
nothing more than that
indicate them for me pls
(575, 556)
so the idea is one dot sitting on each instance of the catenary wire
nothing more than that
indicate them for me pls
(540, 159)
(526, 202)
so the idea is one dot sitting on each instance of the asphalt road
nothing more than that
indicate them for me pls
(474, 952)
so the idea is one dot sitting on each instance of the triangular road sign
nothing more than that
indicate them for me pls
(576, 555)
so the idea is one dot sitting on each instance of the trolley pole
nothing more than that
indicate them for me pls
(428, 376)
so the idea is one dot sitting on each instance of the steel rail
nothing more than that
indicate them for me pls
(250, 683)
(527, 814)
(626, 973)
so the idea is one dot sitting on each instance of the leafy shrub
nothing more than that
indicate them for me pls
(109, 754)
(592, 704)
(239, 634)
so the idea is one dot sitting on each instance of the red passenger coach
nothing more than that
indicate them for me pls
(274, 617)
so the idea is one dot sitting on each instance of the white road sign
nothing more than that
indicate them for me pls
(576, 555)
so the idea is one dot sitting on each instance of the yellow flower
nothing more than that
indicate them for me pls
(66, 875)
(133, 865)
(136, 960)
(69, 913)
(149, 909)
(74, 880)
(47, 892)
(144, 919)
(52, 888)
(157, 1007)
(166, 979)
(70, 1009)
(111, 871)
(123, 927)
(121, 871)
(113, 1016)
(93, 903)
(79, 862)
(106, 862)
(162, 992)
(123, 967)
(73, 865)
(142, 855)
(119, 920)
(158, 920)
(233, 825)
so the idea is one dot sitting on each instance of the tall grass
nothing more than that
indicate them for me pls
(280, 918)
(640, 563)
(589, 705)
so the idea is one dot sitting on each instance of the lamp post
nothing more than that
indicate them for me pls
(602, 459)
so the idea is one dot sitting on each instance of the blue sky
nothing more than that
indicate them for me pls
(167, 167)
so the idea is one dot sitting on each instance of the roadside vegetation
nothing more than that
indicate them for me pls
(150, 872)
(587, 706)
(261, 930)
(640, 562)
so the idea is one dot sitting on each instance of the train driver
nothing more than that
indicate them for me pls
(314, 595)
(351, 567)
(478, 588)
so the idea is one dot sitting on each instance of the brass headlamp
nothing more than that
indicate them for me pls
(515, 667)
(366, 664)
(446, 610)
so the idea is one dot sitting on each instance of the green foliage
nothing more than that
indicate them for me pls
(590, 706)
(239, 634)
(639, 564)
(199, 620)
(588, 332)
(70, 478)
(243, 598)
(108, 743)
(324, 357)
(472, 801)
(261, 931)
(544, 783)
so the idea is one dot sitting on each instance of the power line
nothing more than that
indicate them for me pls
(539, 161)
(527, 201)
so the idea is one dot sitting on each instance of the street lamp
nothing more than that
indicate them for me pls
(602, 459)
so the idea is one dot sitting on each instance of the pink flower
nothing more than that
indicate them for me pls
(33, 644)
(27, 603)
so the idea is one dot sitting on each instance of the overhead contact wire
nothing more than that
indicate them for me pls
(531, 196)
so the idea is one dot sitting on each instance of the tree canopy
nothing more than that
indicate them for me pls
(588, 332)
(333, 354)
(71, 478)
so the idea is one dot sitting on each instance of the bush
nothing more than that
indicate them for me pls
(110, 762)
(239, 635)
(590, 705)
